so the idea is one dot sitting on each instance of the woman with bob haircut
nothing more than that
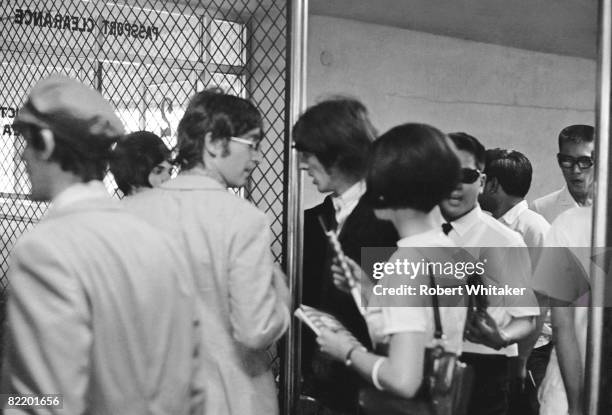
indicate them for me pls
(412, 168)
(140, 161)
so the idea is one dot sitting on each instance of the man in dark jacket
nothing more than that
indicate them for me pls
(334, 139)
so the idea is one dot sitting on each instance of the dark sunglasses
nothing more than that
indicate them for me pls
(568, 162)
(469, 176)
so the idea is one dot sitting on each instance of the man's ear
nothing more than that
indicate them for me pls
(49, 144)
(483, 182)
(491, 185)
(213, 147)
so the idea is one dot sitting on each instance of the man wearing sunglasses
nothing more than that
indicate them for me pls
(512, 318)
(575, 158)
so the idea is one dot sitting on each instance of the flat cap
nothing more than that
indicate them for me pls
(73, 111)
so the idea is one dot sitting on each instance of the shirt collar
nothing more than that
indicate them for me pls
(431, 238)
(467, 221)
(566, 198)
(78, 192)
(512, 215)
(193, 181)
(350, 196)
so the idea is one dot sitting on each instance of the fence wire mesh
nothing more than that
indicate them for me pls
(147, 58)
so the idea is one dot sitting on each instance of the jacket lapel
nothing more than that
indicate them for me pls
(358, 219)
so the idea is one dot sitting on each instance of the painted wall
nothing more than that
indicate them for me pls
(506, 97)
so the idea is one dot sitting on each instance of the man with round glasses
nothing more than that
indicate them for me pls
(226, 242)
(575, 158)
(499, 248)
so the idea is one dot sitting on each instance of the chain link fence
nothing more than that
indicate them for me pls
(147, 58)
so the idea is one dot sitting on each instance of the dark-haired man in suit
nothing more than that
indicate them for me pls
(334, 138)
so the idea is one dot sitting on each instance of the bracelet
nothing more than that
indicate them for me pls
(347, 359)
(375, 370)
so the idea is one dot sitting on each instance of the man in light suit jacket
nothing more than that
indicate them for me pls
(100, 309)
(575, 158)
(226, 241)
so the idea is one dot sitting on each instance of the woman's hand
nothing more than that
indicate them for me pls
(336, 343)
(341, 280)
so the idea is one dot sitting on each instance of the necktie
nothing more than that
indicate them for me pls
(446, 228)
(332, 223)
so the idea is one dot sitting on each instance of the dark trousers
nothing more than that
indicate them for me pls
(537, 364)
(524, 396)
(491, 389)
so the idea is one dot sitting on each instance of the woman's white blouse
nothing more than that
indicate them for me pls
(386, 318)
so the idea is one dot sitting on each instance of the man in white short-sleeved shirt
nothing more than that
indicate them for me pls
(509, 175)
(487, 239)
(575, 158)
(567, 283)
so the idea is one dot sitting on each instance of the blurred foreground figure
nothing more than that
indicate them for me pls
(140, 161)
(562, 276)
(100, 309)
(226, 241)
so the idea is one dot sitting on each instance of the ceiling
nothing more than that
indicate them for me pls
(565, 27)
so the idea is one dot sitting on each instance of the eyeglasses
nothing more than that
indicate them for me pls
(469, 176)
(568, 162)
(253, 145)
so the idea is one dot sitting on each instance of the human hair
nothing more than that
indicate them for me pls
(471, 145)
(339, 133)
(87, 158)
(512, 170)
(134, 158)
(412, 166)
(578, 133)
(212, 111)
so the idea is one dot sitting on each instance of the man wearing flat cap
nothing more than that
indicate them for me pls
(100, 310)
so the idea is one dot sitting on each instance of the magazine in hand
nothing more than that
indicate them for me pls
(316, 319)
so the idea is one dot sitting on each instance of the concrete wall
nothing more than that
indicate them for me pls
(506, 97)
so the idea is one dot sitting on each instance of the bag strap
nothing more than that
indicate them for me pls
(438, 333)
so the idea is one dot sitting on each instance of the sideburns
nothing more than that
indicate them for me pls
(226, 151)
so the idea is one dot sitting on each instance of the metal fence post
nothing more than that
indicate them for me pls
(298, 27)
(602, 235)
